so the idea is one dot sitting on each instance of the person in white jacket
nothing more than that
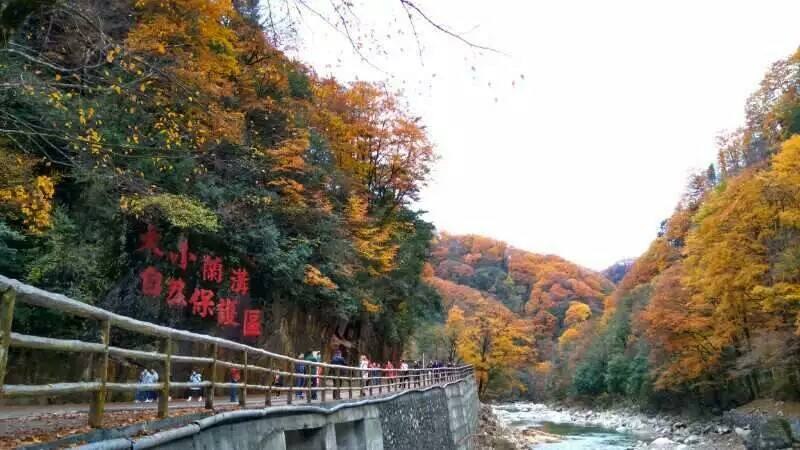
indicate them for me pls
(404, 374)
(364, 366)
(148, 378)
(195, 377)
(141, 395)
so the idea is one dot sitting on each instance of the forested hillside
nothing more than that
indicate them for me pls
(510, 311)
(708, 314)
(166, 160)
(162, 158)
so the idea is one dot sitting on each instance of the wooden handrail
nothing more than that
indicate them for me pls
(307, 383)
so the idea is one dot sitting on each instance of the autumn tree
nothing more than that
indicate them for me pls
(183, 115)
(494, 341)
(374, 139)
(576, 313)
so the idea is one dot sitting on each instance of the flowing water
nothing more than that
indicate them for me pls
(572, 436)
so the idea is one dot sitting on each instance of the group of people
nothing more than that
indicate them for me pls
(148, 376)
(373, 373)
(302, 382)
(308, 375)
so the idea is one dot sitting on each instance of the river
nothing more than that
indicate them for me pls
(562, 427)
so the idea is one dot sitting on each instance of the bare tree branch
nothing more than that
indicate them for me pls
(414, 30)
(345, 33)
(345, 11)
(408, 4)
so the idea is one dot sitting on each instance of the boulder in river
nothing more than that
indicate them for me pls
(774, 434)
(692, 439)
(662, 442)
(533, 436)
(742, 433)
(722, 429)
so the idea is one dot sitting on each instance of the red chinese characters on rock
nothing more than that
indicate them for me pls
(175, 293)
(149, 241)
(227, 312)
(212, 269)
(202, 303)
(252, 323)
(151, 282)
(184, 256)
(240, 281)
(202, 300)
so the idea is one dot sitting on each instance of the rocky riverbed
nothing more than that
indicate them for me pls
(530, 425)
(494, 434)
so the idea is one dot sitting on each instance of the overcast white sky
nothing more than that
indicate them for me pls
(620, 101)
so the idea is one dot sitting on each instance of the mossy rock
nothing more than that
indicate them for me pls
(775, 434)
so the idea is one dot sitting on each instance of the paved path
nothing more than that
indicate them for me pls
(253, 401)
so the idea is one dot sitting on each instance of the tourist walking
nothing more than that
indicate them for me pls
(148, 378)
(416, 377)
(337, 360)
(235, 377)
(299, 382)
(141, 394)
(364, 366)
(317, 371)
(404, 374)
(375, 374)
(277, 382)
(390, 374)
(195, 377)
(312, 381)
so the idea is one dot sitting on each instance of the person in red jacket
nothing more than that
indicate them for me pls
(235, 378)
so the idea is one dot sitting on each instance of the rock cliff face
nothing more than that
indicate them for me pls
(616, 272)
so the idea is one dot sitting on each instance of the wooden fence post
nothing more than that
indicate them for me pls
(309, 381)
(337, 384)
(6, 319)
(211, 391)
(98, 403)
(349, 384)
(243, 397)
(370, 381)
(271, 378)
(290, 392)
(163, 399)
(323, 383)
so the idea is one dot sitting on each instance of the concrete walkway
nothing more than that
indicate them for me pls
(253, 401)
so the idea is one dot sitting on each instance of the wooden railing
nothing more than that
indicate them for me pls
(256, 363)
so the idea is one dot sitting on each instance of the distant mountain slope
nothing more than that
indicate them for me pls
(616, 272)
(521, 280)
(507, 308)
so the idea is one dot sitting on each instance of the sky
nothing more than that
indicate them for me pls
(578, 138)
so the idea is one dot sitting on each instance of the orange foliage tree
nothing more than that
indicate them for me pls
(486, 334)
